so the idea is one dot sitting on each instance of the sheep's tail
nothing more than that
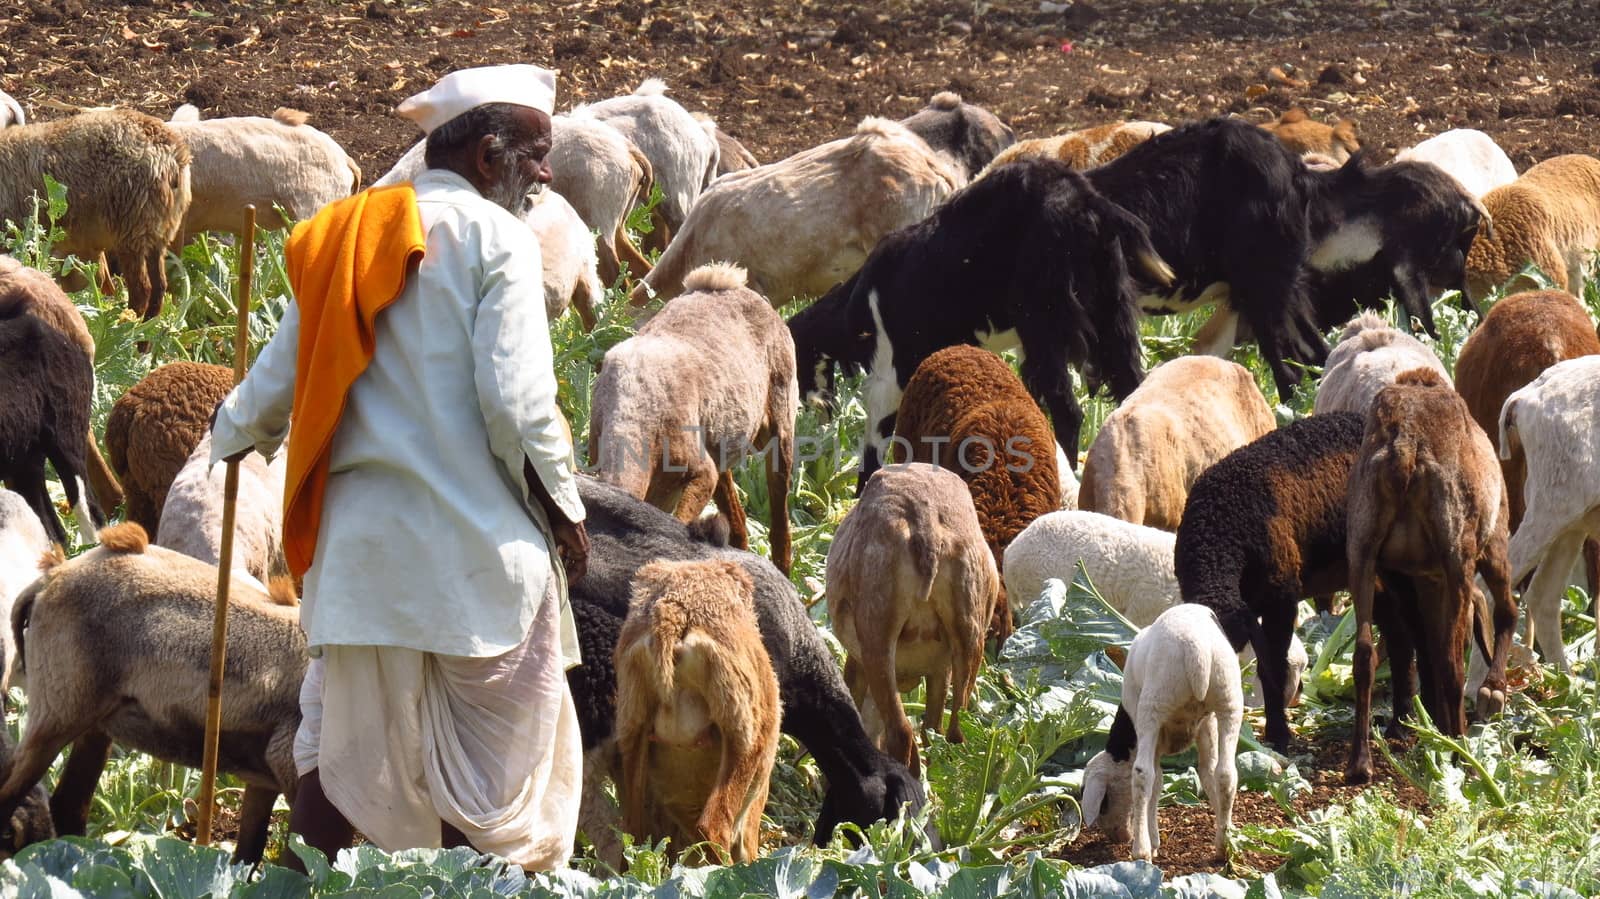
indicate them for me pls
(280, 589)
(127, 538)
(646, 175)
(1509, 438)
(22, 608)
(668, 628)
(294, 118)
(650, 87)
(716, 276)
(188, 112)
(355, 174)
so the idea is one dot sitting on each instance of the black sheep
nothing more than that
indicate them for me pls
(1029, 254)
(864, 785)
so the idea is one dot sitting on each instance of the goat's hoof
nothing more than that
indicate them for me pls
(1358, 773)
(1490, 701)
(1396, 730)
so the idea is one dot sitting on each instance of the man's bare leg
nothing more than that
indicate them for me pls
(315, 819)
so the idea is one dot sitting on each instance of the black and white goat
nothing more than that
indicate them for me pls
(1030, 256)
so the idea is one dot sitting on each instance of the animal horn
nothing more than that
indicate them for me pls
(1157, 268)
(1485, 220)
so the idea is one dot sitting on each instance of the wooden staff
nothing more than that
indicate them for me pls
(230, 497)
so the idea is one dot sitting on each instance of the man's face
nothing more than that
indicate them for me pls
(522, 168)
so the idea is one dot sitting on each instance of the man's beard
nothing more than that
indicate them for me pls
(511, 189)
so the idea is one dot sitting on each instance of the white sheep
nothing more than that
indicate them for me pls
(1180, 686)
(1555, 423)
(1471, 157)
(11, 112)
(683, 154)
(1368, 358)
(1129, 564)
(23, 545)
(803, 224)
(273, 163)
(566, 245)
(191, 519)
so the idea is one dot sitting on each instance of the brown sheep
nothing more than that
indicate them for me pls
(1427, 511)
(911, 588)
(127, 179)
(1520, 337)
(116, 647)
(1305, 136)
(697, 708)
(965, 410)
(1188, 413)
(154, 427)
(1083, 149)
(1550, 217)
(707, 381)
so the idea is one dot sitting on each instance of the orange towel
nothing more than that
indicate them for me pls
(345, 264)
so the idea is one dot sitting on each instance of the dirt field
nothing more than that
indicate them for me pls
(783, 75)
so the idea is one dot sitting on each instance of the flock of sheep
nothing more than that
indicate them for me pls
(930, 244)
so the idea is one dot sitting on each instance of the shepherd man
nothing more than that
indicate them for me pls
(429, 493)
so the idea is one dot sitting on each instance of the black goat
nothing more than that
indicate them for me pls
(1027, 254)
(864, 785)
(969, 134)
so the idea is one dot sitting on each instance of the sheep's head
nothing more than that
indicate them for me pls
(1108, 796)
(826, 340)
(880, 795)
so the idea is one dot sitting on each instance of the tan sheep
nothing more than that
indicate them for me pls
(1307, 137)
(1188, 413)
(705, 383)
(911, 587)
(1368, 358)
(278, 162)
(1084, 149)
(697, 708)
(154, 427)
(803, 224)
(127, 180)
(1550, 217)
(1426, 512)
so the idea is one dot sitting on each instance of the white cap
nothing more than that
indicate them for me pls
(466, 89)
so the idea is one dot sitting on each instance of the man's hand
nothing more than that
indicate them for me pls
(572, 545)
(238, 457)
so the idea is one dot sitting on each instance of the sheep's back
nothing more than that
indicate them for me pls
(154, 427)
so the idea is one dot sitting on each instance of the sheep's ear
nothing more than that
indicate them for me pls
(1094, 794)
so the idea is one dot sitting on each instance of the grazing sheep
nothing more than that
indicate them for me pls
(967, 135)
(1520, 337)
(1369, 356)
(1427, 512)
(683, 156)
(1129, 564)
(127, 180)
(707, 382)
(965, 411)
(911, 589)
(803, 224)
(116, 646)
(23, 542)
(191, 518)
(1188, 413)
(1264, 528)
(1305, 136)
(1083, 149)
(954, 279)
(11, 112)
(28, 291)
(154, 427)
(1180, 687)
(45, 403)
(1552, 425)
(863, 784)
(1471, 157)
(697, 708)
(1550, 217)
(277, 163)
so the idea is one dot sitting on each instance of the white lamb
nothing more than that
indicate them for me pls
(23, 544)
(191, 519)
(1471, 157)
(272, 163)
(1180, 687)
(11, 112)
(1369, 356)
(1556, 422)
(1130, 564)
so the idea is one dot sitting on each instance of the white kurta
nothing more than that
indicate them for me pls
(429, 539)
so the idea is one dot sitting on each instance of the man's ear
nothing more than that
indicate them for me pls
(483, 158)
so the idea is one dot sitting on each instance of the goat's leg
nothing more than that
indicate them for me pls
(660, 231)
(607, 265)
(729, 802)
(41, 743)
(74, 793)
(628, 254)
(1402, 652)
(779, 471)
(1363, 573)
(1213, 779)
(1276, 631)
(697, 491)
(1146, 787)
(1495, 569)
(1411, 289)
(1047, 377)
(1447, 636)
(726, 496)
(1545, 597)
(938, 687)
(635, 748)
(255, 823)
(965, 657)
(1226, 773)
(1591, 569)
(898, 740)
(35, 492)
(882, 391)
(155, 265)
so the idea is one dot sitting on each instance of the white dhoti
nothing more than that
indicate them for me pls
(404, 739)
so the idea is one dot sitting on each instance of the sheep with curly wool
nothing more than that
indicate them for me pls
(966, 134)
(1549, 217)
(704, 384)
(1083, 149)
(1180, 687)
(1306, 136)
(683, 155)
(191, 517)
(964, 410)
(1188, 413)
(127, 181)
(803, 224)
(1552, 424)
(155, 426)
(1369, 356)
(1471, 157)
(277, 163)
